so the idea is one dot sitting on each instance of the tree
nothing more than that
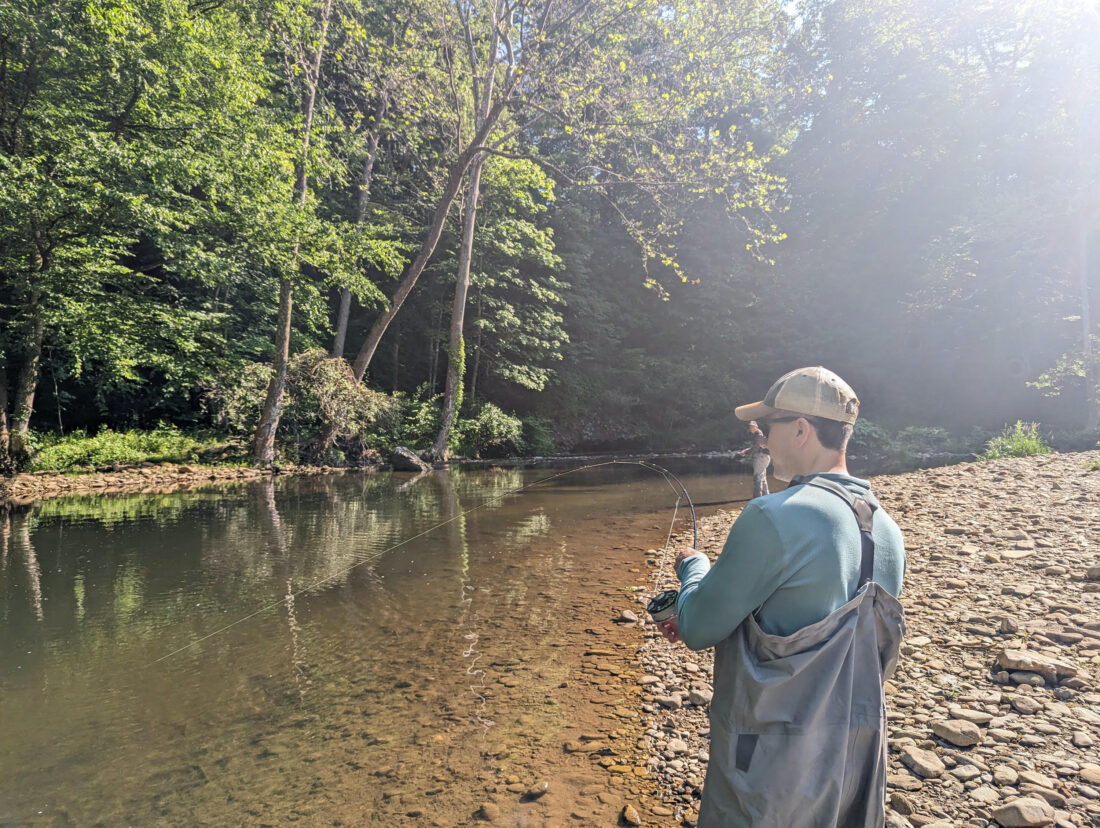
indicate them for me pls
(305, 37)
(124, 133)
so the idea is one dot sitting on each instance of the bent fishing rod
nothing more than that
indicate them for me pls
(661, 603)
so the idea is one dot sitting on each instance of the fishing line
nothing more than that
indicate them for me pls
(669, 477)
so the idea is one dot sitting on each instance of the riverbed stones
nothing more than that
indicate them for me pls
(488, 812)
(1026, 812)
(924, 763)
(977, 717)
(630, 815)
(1090, 773)
(1049, 668)
(1012, 653)
(700, 696)
(985, 794)
(1025, 704)
(958, 733)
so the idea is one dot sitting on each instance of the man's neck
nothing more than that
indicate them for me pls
(826, 462)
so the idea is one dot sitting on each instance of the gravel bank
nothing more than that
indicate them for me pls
(145, 478)
(995, 709)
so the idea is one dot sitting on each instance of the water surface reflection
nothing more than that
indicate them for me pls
(361, 683)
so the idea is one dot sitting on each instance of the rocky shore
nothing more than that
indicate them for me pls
(145, 478)
(994, 710)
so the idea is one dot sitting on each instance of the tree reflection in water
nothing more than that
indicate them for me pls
(356, 672)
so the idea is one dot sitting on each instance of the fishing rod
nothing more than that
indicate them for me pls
(674, 483)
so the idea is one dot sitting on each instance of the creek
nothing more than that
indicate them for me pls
(260, 654)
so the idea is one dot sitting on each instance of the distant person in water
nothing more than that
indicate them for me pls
(761, 459)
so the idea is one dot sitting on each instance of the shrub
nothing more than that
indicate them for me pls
(491, 433)
(1073, 440)
(418, 419)
(869, 438)
(1020, 440)
(324, 404)
(78, 450)
(236, 400)
(326, 413)
(917, 440)
(537, 436)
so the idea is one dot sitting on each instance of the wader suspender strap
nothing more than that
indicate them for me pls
(864, 513)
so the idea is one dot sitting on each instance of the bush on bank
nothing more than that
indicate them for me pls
(77, 451)
(1020, 440)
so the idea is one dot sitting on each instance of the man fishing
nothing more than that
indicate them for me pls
(761, 459)
(801, 610)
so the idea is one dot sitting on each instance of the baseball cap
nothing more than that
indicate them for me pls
(812, 392)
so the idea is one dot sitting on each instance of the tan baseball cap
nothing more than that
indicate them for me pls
(813, 392)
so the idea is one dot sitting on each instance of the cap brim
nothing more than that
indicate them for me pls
(755, 411)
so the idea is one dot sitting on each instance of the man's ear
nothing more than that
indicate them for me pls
(802, 435)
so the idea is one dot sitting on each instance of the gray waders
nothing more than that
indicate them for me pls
(798, 722)
(760, 462)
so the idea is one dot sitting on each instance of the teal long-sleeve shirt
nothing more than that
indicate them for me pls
(793, 556)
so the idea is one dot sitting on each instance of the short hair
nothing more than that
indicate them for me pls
(832, 434)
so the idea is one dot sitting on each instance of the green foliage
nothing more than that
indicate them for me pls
(1073, 439)
(163, 444)
(490, 433)
(323, 407)
(869, 438)
(418, 419)
(235, 399)
(909, 447)
(538, 437)
(516, 293)
(326, 403)
(1020, 440)
(924, 440)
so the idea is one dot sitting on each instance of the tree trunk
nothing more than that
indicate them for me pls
(341, 323)
(431, 238)
(396, 357)
(5, 434)
(263, 446)
(23, 404)
(477, 356)
(455, 352)
(427, 248)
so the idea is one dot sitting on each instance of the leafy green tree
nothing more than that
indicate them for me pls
(518, 294)
(124, 126)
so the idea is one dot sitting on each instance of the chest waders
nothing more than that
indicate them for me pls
(798, 722)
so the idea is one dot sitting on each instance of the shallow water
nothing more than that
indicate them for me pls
(261, 654)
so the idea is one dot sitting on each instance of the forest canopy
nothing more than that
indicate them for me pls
(323, 227)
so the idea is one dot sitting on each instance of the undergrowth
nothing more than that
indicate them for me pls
(77, 451)
(1020, 440)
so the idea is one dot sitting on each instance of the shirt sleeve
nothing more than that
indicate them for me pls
(715, 600)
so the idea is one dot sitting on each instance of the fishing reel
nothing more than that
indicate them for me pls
(662, 606)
